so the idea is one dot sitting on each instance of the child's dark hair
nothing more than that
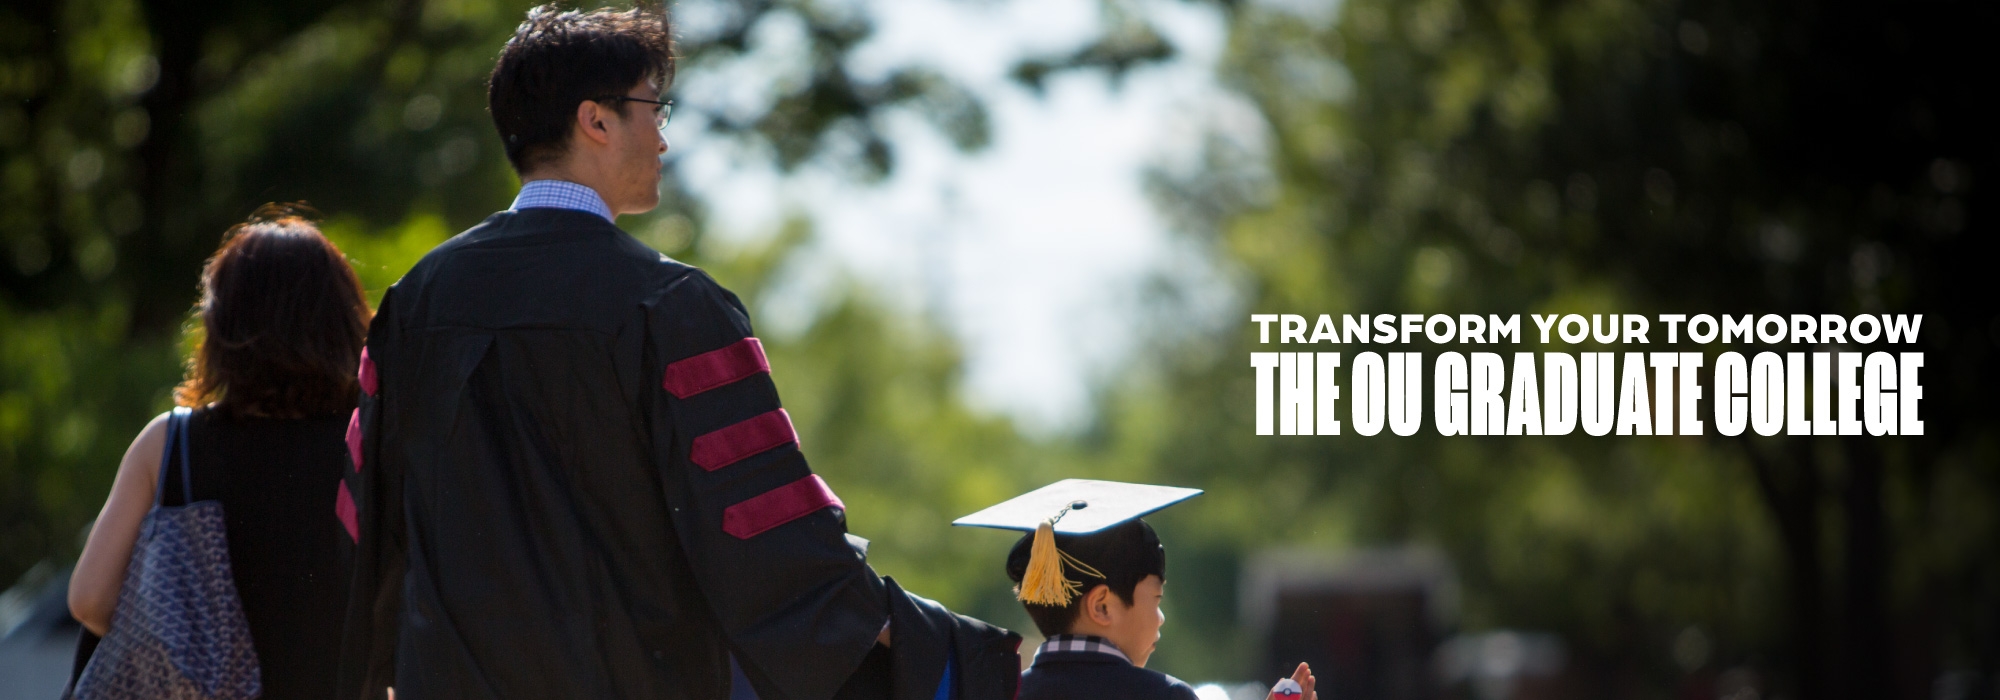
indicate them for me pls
(1126, 554)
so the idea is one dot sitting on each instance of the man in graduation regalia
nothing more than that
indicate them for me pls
(572, 476)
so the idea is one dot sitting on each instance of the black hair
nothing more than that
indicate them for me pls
(559, 59)
(1126, 554)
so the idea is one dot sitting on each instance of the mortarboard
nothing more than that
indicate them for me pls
(1071, 507)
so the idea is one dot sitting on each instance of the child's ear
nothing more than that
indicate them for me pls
(1097, 604)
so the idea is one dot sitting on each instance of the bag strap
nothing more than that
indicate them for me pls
(177, 442)
(187, 479)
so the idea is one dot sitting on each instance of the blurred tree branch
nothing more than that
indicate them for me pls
(1128, 42)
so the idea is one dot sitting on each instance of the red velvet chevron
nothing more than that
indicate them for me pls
(735, 443)
(354, 439)
(715, 368)
(343, 508)
(777, 507)
(369, 382)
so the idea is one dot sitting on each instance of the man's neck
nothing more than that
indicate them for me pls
(569, 175)
(559, 177)
(562, 194)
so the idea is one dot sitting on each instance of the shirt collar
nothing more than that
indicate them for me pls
(1083, 643)
(561, 194)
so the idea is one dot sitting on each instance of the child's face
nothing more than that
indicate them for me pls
(1136, 628)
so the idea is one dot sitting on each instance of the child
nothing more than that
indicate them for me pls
(1091, 575)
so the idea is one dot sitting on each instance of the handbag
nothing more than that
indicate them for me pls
(179, 630)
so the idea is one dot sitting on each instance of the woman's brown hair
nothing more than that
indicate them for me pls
(283, 319)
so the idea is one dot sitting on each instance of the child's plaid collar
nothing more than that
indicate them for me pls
(1082, 642)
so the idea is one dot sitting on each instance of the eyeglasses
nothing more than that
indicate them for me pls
(663, 112)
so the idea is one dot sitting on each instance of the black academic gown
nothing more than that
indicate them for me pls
(941, 655)
(574, 480)
(1089, 675)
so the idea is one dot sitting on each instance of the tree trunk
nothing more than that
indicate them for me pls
(1790, 485)
(163, 288)
(1868, 657)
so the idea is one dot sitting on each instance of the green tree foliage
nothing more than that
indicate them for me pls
(1515, 156)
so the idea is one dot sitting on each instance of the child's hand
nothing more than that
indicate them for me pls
(1298, 687)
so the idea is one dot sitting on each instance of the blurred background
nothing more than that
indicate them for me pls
(994, 243)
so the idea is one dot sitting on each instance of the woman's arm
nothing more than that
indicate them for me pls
(100, 571)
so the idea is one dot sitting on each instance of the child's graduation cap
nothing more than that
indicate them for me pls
(1071, 507)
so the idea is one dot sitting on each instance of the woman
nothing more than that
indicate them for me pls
(271, 383)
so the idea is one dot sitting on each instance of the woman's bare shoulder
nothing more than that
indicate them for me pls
(144, 454)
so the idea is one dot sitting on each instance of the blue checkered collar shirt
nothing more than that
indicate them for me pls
(561, 194)
(1081, 642)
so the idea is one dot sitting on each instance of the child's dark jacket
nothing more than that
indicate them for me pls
(1085, 675)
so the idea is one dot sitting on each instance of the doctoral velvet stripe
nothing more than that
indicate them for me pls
(735, 443)
(354, 439)
(343, 508)
(369, 382)
(716, 368)
(777, 507)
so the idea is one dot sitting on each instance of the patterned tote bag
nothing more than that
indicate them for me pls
(179, 630)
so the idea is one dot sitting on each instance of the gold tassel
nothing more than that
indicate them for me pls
(1044, 583)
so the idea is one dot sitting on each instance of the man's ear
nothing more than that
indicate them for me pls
(590, 122)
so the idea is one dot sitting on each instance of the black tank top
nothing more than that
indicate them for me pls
(277, 480)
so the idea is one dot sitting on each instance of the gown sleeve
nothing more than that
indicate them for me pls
(941, 655)
(369, 505)
(766, 538)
